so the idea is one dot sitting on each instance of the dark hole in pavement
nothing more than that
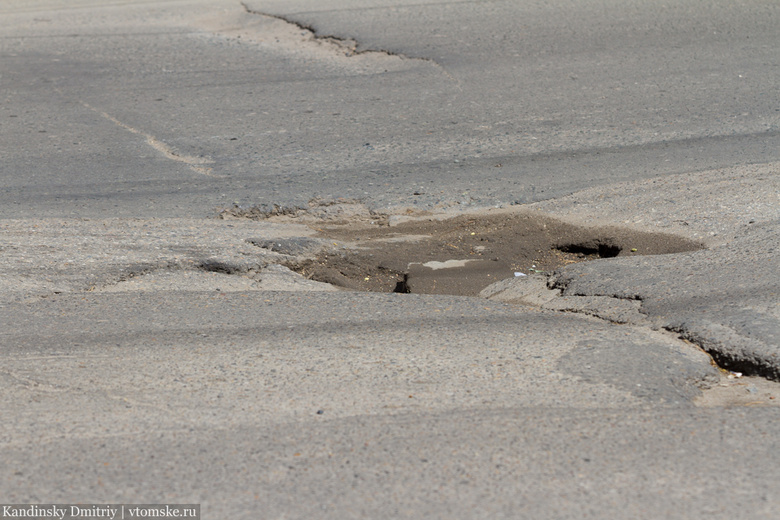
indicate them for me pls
(589, 248)
(401, 286)
(465, 254)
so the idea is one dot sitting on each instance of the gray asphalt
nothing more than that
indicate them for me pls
(381, 406)
(152, 352)
(562, 97)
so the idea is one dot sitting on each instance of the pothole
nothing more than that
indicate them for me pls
(465, 254)
(595, 247)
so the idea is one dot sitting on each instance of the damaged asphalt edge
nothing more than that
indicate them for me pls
(208, 265)
(266, 211)
(734, 357)
(348, 44)
(554, 282)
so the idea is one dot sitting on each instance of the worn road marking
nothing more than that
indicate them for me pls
(194, 163)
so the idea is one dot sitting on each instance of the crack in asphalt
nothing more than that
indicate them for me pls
(555, 282)
(350, 45)
(730, 356)
(732, 359)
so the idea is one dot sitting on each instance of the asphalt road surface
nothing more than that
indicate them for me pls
(163, 161)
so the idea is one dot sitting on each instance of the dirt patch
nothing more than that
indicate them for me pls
(465, 254)
(736, 390)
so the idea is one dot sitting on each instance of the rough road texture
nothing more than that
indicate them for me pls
(152, 352)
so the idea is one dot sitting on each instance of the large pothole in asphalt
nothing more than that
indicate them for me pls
(465, 254)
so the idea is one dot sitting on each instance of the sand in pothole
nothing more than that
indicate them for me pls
(465, 254)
